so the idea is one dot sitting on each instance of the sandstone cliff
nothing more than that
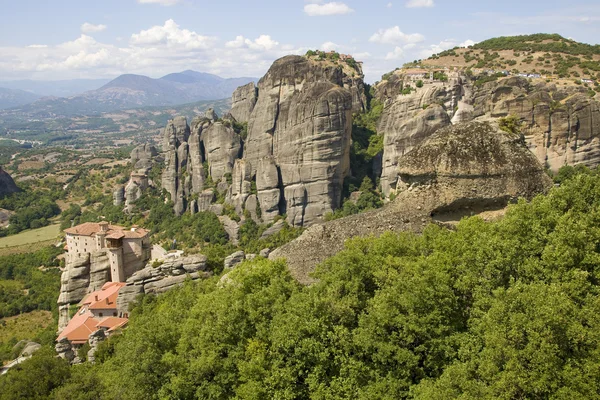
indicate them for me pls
(561, 125)
(295, 156)
(471, 166)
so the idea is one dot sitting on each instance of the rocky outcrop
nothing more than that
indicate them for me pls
(295, 156)
(472, 166)
(222, 145)
(159, 279)
(561, 125)
(232, 228)
(210, 141)
(64, 350)
(119, 196)
(142, 157)
(7, 184)
(234, 259)
(408, 119)
(301, 124)
(94, 340)
(243, 102)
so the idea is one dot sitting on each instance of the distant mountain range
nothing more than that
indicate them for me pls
(131, 91)
(14, 98)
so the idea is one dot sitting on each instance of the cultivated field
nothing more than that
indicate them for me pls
(30, 240)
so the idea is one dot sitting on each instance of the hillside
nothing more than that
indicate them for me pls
(546, 54)
(14, 98)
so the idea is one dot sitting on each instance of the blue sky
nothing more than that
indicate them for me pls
(104, 38)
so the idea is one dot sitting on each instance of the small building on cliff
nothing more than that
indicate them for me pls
(124, 246)
(97, 311)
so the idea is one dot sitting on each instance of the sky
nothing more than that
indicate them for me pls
(73, 39)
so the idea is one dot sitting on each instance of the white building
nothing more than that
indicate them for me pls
(128, 250)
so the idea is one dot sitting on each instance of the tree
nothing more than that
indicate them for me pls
(35, 378)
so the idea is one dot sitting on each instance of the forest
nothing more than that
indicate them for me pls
(505, 309)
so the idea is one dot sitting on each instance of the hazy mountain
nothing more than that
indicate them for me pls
(14, 98)
(135, 91)
(64, 88)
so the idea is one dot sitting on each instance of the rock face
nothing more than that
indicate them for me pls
(119, 196)
(295, 156)
(155, 280)
(7, 184)
(81, 276)
(474, 163)
(64, 350)
(142, 156)
(94, 340)
(243, 102)
(234, 259)
(561, 124)
(299, 138)
(186, 152)
(468, 166)
(408, 119)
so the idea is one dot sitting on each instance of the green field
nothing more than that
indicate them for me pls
(29, 240)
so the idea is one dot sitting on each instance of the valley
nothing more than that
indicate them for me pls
(309, 235)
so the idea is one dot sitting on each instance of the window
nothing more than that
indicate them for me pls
(100, 314)
(115, 314)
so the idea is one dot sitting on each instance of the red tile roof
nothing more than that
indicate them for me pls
(84, 323)
(112, 323)
(92, 228)
(105, 298)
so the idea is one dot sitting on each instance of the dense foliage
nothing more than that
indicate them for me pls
(38, 290)
(508, 309)
(32, 209)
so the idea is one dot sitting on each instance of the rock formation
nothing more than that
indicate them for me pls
(243, 102)
(471, 166)
(410, 118)
(119, 195)
(299, 138)
(561, 124)
(82, 275)
(296, 154)
(143, 156)
(159, 279)
(7, 184)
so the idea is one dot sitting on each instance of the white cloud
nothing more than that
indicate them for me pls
(397, 54)
(437, 48)
(263, 42)
(389, 5)
(172, 36)
(419, 3)
(333, 8)
(90, 28)
(329, 46)
(155, 51)
(161, 2)
(467, 43)
(395, 36)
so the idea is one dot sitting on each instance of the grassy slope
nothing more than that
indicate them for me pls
(24, 241)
